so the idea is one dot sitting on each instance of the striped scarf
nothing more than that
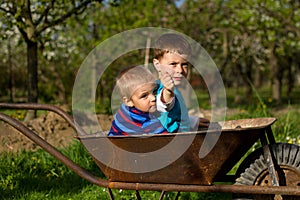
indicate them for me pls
(130, 121)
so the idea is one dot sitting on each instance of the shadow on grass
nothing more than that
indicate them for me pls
(26, 173)
(67, 184)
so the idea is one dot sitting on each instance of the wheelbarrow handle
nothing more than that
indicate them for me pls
(44, 144)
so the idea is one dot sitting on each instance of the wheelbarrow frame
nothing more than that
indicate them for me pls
(266, 140)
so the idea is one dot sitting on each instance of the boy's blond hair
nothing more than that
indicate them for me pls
(131, 78)
(171, 42)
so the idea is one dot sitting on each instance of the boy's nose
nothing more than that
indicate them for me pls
(178, 69)
(152, 97)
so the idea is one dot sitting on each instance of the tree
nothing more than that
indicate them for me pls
(33, 18)
(281, 25)
(272, 27)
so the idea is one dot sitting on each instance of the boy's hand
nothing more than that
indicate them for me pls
(203, 122)
(169, 86)
(167, 81)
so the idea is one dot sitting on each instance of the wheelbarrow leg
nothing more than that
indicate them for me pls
(272, 165)
(274, 169)
(137, 194)
(274, 174)
(270, 135)
(111, 196)
(162, 194)
(177, 196)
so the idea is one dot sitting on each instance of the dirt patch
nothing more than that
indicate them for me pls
(51, 127)
(55, 130)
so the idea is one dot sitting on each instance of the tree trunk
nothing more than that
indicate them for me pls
(245, 72)
(257, 77)
(276, 88)
(248, 78)
(290, 78)
(32, 77)
(11, 77)
(276, 77)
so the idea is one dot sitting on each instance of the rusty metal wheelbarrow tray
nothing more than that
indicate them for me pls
(236, 138)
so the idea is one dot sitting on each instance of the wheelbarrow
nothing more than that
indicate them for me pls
(270, 172)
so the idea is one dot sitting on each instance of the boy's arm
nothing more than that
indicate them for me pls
(164, 107)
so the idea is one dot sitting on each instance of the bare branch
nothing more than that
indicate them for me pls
(75, 10)
(6, 11)
(10, 10)
(27, 11)
(44, 15)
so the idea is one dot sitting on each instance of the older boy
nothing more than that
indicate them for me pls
(171, 53)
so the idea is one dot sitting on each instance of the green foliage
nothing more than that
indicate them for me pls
(240, 37)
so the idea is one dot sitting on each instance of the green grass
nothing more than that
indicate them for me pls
(37, 175)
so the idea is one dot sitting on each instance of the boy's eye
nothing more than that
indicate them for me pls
(185, 64)
(143, 96)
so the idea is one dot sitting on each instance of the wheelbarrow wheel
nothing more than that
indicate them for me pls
(256, 173)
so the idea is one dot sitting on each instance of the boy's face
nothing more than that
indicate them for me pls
(173, 63)
(143, 98)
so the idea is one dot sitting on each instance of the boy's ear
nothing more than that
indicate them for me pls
(156, 64)
(127, 102)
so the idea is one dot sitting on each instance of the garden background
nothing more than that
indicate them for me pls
(254, 43)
